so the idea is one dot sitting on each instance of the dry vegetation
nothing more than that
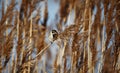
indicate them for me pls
(90, 45)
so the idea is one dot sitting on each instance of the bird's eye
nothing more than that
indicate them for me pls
(54, 31)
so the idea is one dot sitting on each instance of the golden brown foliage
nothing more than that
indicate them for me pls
(90, 45)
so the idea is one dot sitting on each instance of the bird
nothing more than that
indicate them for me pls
(53, 35)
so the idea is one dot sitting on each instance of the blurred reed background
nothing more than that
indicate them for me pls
(88, 36)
